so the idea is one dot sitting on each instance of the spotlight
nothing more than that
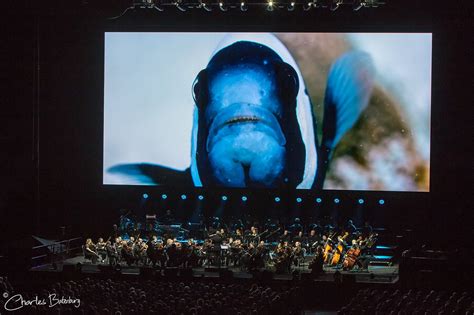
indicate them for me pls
(298, 200)
(164, 196)
(156, 4)
(243, 6)
(277, 199)
(244, 198)
(336, 200)
(179, 6)
(319, 200)
(356, 5)
(291, 6)
(183, 197)
(307, 6)
(200, 197)
(145, 196)
(317, 3)
(270, 5)
(334, 5)
(224, 198)
(205, 6)
(360, 201)
(222, 6)
(381, 202)
(372, 3)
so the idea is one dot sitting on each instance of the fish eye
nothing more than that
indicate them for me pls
(199, 89)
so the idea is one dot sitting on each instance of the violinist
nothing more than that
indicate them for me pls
(112, 253)
(312, 240)
(90, 251)
(101, 250)
(285, 237)
(299, 237)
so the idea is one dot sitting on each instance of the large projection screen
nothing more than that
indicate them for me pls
(344, 111)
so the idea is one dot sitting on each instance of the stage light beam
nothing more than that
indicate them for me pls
(270, 6)
(291, 6)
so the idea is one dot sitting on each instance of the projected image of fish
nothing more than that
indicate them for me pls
(254, 124)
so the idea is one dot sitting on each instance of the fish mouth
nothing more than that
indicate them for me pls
(257, 118)
(241, 119)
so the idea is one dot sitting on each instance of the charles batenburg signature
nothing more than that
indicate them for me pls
(17, 301)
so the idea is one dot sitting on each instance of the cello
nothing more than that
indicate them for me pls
(351, 256)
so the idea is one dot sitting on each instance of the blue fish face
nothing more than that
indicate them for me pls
(244, 118)
(245, 145)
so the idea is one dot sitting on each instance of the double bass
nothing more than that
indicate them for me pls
(337, 253)
(328, 248)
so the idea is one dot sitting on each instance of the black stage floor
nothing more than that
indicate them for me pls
(375, 274)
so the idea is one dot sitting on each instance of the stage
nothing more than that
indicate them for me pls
(375, 274)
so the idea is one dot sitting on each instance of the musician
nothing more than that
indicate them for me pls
(223, 233)
(299, 237)
(253, 236)
(101, 250)
(235, 251)
(298, 253)
(296, 226)
(313, 238)
(151, 251)
(269, 225)
(317, 227)
(367, 229)
(127, 252)
(172, 253)
(112, 253)
(90, 251)
(118, 246)
(168, 217)
(216, 223)
(239, 225)
(190, 252)
(316, 265)
(350, 227)
(160, 253)
(238, 235)
(285, 237)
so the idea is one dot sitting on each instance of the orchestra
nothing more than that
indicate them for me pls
(277, 247)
